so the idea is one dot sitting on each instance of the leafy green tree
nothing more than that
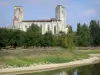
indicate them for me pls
(78, 37)
(55, 40)
(83, 35)
(78, 28)
(61, 39)
(70, 38)
(95, 32)
(66, 40)
(48, 39)
(32, 36)
(17, 38)
(3, 37)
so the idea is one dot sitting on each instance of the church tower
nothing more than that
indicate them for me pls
(18, 16)
(61, 14)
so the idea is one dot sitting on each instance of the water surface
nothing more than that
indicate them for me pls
(83, 70)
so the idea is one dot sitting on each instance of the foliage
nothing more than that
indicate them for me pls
(83, 35)
(70, 38)
(32, 36)
(95, 32)
(62, 39)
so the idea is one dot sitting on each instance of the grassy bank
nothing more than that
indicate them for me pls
(26, 57)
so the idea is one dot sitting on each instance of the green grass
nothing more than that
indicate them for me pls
(17, 58)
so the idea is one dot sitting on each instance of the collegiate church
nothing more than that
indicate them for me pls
(55, 25)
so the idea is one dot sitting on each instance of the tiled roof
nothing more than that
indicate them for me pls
(46, 20)
(36, 20)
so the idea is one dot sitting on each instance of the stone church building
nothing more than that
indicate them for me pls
(55, 25)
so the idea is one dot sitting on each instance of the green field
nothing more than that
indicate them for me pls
(27, 57)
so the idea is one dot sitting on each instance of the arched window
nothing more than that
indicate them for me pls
(48, 28)
(18, 9)
(54, 29)
(26, 26)
(41, 27)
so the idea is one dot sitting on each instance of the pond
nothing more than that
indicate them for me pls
(83, 70)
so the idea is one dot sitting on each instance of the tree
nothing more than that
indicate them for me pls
(70, 38)
(32, 36)
(48, 39)
(61, 39)
(95, 33)
(83, 35)
(78, 28)
(3, 37)
(17, 38)
(66, 40)
(55, 40)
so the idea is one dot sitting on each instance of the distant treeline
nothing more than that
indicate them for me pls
(86, 35)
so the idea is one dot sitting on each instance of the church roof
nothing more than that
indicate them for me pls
(36, 20)
(46, 20)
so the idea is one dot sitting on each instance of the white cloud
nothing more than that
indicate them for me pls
(2, 3)
(89, 12)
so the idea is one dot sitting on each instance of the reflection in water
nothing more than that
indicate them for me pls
(84, 70)
(96, 69)
(75, 72)
(62, 73)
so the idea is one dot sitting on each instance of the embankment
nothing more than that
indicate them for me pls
(48, 67)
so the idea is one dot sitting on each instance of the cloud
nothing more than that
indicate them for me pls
(2, 3)
(89, 12)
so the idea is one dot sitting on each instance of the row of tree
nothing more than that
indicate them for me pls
(86, 35)
(32, 38)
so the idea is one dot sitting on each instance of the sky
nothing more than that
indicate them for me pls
(77, 11)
